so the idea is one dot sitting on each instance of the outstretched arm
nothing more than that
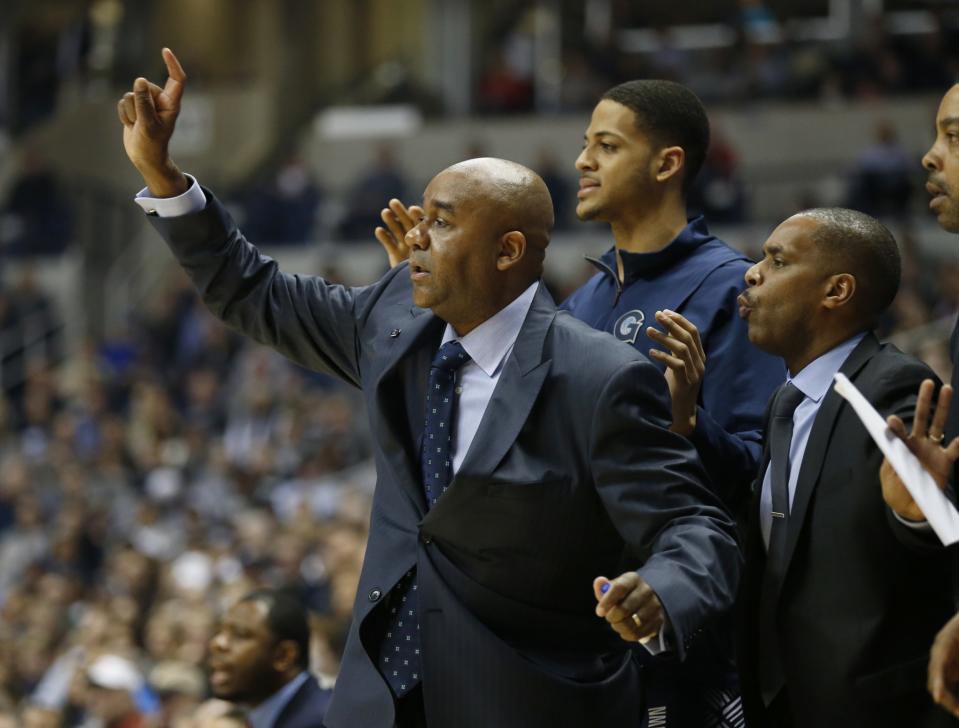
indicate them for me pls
(656, 497)
(305, 318)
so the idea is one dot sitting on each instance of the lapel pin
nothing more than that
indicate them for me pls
(394, 333)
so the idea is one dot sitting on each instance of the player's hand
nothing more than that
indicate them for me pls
(399, 221)
(685, 362)
(944, 667)
(148, 114)
(925, 442)
(630, 606)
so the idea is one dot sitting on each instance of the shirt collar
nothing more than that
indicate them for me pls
(645, 265)
(266, 713)
(489, 342)
(814, 379)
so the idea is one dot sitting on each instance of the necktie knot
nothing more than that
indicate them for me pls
(450, 357)
(790, 397)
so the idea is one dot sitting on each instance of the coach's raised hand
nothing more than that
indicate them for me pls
(148, 114)
(925, 441)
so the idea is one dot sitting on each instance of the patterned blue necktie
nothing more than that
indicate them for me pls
(400, 651)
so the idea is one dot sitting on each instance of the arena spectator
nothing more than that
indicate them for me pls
(882, 180)
(259, 659)
(383, 181)
(284, 210)
(37, 217)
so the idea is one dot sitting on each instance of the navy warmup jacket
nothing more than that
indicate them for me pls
(698, 276)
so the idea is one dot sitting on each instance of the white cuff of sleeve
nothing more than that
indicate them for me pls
(914, 525)
(193, 200)
(657, 644)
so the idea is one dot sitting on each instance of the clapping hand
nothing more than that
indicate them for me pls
(685, 362)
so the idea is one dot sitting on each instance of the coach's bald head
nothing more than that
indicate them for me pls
(481, 241)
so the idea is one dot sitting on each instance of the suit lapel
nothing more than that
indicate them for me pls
(524, 372)
(400, 391)
(819, 440)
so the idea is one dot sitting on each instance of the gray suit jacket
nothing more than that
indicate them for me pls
(572, 474)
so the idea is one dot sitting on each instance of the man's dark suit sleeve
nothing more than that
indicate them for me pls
(653, 487)
(310, 321)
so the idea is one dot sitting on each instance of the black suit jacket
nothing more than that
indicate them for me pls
(952, 423)
(572, 474)
(860, 596)
(306, 708)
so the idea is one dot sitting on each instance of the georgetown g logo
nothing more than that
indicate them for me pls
(628, 326)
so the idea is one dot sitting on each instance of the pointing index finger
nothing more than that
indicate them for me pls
(176, 76)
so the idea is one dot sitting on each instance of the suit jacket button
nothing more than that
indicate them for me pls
(427, 540)
(375, 595)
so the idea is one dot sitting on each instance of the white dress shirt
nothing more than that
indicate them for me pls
(193, 200)
(488, 345)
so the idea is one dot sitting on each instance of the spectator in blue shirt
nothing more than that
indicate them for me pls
(259, 658)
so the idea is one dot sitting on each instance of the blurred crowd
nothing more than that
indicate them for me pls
(149, 481)
(754, 56)
(288, 206)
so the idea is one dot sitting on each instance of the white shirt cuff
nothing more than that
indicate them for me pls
(193, 200)
(914, 525)
(656, 644)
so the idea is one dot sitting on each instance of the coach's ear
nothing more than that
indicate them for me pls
(840, 290)
(512, 248)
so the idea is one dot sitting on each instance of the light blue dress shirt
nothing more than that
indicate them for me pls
(814, 380)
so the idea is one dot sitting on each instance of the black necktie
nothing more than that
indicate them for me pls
(780, 435)
(400, 650)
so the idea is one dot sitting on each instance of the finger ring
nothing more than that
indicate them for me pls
(936, 438)
(637, 620)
